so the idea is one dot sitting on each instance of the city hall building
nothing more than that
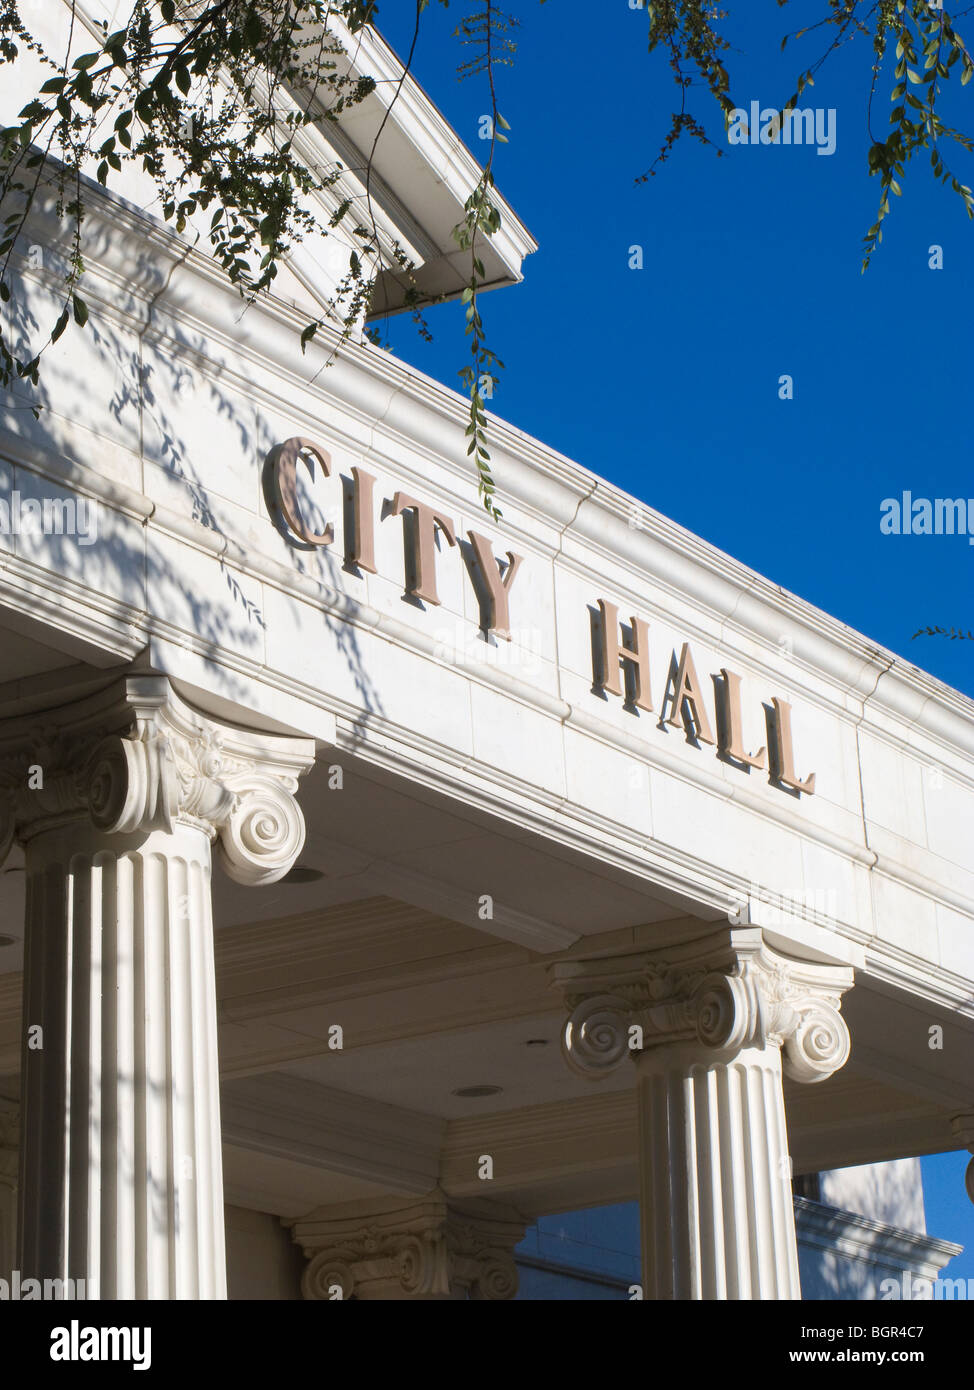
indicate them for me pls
(382, 884)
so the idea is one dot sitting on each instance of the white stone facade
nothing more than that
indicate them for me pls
(742, 898)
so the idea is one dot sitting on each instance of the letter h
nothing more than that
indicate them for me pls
(614, 653)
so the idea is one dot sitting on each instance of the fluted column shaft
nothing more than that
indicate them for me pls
(715, 1189)
(118, 801)
(711, 1022)
(122, 1181)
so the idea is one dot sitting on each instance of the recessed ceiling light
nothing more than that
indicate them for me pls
(303, 873)
(475, 1092)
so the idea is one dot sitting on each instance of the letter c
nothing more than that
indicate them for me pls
(286, 474)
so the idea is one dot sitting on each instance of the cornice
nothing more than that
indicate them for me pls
(554, 490)
(443, 155)
(832, 1228)
(428, 132)
(96, 628)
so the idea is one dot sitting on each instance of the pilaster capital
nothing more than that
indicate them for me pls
(717, 994)
(136, 757)
(400, 1248)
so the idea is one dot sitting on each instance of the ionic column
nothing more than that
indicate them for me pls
(117, 801)
(711, 1025)
(428, 1249)
(9, 1146)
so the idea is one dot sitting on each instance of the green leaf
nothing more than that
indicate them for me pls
(80, 310)
(183, 79)
(307, 334)
(60, 326)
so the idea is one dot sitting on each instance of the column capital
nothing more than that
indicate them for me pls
(431, 1247)
(135, 757)
(719, 993)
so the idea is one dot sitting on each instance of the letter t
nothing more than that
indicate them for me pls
(422, 582)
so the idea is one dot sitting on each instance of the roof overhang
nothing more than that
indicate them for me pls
(422, 175)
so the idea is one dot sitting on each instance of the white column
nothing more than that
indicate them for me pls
(715, 1177)
(711, 1024)
(121, 1180)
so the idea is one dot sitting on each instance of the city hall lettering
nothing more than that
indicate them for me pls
(620, 655)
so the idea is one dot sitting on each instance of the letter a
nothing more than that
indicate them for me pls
(60, 1344)
(737, 127)
(687, 700)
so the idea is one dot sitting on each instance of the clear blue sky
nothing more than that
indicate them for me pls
(665, 380)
